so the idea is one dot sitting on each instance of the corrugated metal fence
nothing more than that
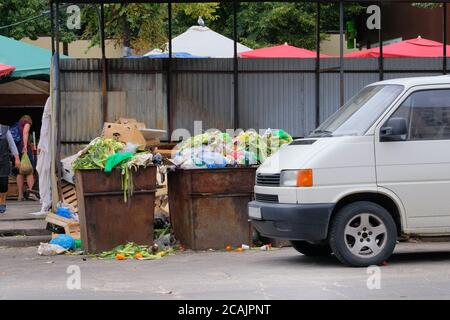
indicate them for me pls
(272, 93)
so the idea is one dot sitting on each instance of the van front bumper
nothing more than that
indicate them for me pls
(291, 221)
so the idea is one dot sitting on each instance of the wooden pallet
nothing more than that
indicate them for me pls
(69, 195)
(71, 227)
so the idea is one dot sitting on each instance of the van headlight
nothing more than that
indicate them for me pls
(296, 178)
(288, 178)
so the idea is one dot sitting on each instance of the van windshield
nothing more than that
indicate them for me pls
(360, 112)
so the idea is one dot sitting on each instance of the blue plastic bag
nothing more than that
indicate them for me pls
(64, 240)
(64, 212)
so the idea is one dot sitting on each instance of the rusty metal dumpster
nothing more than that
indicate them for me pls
(208, 207)
(106, 221)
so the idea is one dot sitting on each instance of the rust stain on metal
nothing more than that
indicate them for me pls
(208, 208)
(105, 219)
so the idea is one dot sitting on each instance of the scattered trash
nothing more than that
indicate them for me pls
(120, 256)
(107, 154)
(165, 241)
(161, 221)
(47, 249)
(95, 154)
(134, 251)
(64, 211)
(65, 241)
(154, 248)
(218, 150)
(245, 247)
(229, 248)
(265, 247)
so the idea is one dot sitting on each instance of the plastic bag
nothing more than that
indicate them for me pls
(115, 159)
(64, 240)
(25, 165)
(46, 249)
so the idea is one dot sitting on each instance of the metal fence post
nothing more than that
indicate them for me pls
(169, 76)
(57, 108)
(235, 69)
(318, 65)
(444, 26)
(380, 41)
(341, 53)
(104, 64)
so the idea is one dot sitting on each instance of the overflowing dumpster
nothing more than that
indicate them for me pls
(208, 207)
(106, 220)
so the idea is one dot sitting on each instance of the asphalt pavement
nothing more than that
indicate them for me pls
(415, 271)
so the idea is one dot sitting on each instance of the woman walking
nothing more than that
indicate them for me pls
(7, 146)
(24, 146)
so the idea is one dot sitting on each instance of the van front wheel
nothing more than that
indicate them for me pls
(363, 234)
(312, 249)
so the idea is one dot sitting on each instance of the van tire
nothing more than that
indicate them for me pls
(352, 227)
(312, 249)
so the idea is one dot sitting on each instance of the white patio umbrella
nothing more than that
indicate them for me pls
(201, 41)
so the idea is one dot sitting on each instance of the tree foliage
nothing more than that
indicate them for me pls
(141, 25)
(145, 26)
(35, 15)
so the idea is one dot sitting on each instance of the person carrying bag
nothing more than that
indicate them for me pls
(7, 146)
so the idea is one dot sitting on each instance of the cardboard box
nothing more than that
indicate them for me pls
(131, 122)
(130, 130)
(124, 133)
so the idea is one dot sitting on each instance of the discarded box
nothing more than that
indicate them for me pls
(130, 130)
(124, 133)
(71, 227)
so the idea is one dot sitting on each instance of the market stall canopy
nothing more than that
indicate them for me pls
(203, 42)
(29, 60)
(25, 86)
(5, 70)
(412, 48)
(281, 51)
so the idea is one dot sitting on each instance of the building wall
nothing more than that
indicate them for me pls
(331, 46)
(401, 20)
(80, 48)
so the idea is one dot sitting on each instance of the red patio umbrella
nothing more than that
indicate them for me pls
(5, 70)
(282, 51)
(413, 48)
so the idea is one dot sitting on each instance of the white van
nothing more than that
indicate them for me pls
(376, 170)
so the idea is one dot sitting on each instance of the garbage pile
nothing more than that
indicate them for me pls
(107, 154)
(217, 149)
(132, 250)
(62, 243)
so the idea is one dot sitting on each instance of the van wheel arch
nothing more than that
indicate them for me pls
(378, 198)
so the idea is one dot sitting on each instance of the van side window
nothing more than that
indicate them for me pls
(428, 115)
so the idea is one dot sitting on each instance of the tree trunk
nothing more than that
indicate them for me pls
(126, 37)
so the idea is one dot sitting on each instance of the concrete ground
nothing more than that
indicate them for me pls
(415, 271)
(18, 227)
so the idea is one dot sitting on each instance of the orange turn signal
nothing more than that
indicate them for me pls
(305, 178)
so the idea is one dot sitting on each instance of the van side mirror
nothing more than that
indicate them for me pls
(395, 129)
